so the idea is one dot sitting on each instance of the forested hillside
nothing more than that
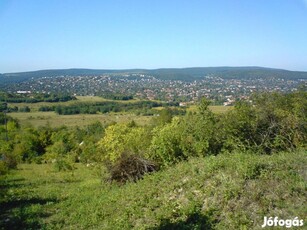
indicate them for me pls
(186, 74)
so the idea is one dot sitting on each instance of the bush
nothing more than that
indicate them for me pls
(10, 161)
(63, 165)
(120, 138)
(165, 146)
(3, 168)
(7, 162)
(184, 137)
(273, 123)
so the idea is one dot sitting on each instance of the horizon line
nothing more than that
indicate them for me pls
(160, 68)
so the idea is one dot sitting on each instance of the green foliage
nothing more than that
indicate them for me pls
(203, 106)
(5, 118)
(25, 109)
(62, 164)
(30, 143)
(166, 114)
(119, 138)
(87, 138)
(117, 96)
(165, 145)
(271, 123)
(63, 143)
(198, 187)
(3, 168)
(3, 107)
(199, 132)
(192, 135)
(33, 98)
(237, 127)
(275, 122)
(7, 161)
(122, 151)
(106, 107)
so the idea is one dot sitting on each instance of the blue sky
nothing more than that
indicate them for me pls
(119, 34)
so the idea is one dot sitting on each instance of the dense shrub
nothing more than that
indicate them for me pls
(30, 143)
(62, 164)
(7, 162)
(274, 122)
(5, 118)
(270, 123)
(165, 145)
(119, 138)
(188, 136)
(122, 151)
(3, 168)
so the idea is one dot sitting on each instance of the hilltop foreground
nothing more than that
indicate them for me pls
(232, 191)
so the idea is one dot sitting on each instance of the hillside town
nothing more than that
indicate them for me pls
(219, 90)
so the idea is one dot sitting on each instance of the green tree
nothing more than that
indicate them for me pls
(119, 138)
(165, 145)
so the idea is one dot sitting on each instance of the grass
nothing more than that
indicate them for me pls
(223, 192)
(35, 106)
(37, 118)
(213, 108)
(91, 99)
(220, 108)
(54, 120)
(100, 99)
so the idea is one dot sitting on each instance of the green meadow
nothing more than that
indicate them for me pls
(224, 192)
(37, 119)
(84, 99)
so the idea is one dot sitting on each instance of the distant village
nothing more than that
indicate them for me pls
(142, 86)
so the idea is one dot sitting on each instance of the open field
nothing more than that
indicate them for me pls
(100, 99)
(214, 108)
(54, 120)
(224, 192)
(220, 108)
(90, 99)
(38, 118)
(43, 118)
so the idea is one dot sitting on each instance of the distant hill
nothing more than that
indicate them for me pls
(186, 74)
(24, 76)
(228, 72)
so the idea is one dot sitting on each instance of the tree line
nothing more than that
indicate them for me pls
(104, 107)
(117, 96)
(34, 97)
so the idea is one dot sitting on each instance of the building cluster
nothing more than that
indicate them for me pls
(219, 90)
